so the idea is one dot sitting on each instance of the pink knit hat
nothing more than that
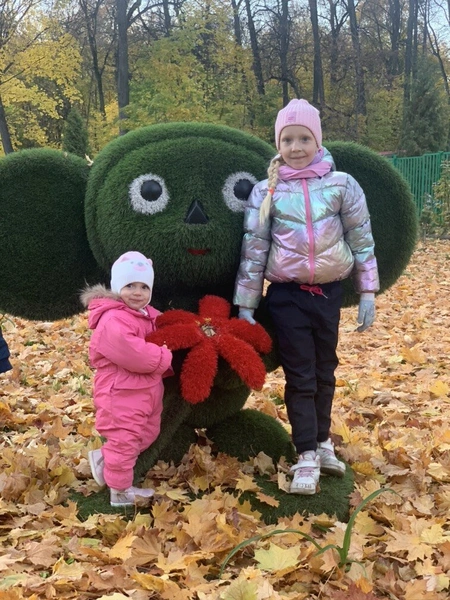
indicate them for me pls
(299, 112)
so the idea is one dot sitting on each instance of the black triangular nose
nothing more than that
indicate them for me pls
(196, 215)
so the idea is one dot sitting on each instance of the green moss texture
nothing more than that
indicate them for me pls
(46, 259)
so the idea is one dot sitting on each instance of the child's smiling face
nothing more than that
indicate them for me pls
(136, 295)
(298, 146)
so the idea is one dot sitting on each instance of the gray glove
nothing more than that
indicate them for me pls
(247, 315)
(366, 310)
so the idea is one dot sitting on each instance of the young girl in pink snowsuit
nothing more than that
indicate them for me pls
(128, 384)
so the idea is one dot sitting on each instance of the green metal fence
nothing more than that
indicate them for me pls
(421, 172)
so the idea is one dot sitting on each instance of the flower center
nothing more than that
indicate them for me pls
(208, 328)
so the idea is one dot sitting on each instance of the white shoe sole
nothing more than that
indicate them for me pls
(329, 470)
(303, 491)
(92, 464)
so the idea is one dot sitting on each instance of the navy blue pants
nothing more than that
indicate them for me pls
(307, 325)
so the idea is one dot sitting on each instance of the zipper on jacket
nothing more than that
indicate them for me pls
(309, 228)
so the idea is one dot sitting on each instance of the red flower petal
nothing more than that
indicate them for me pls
(177, 337)
(175, 316)
(214, 307)
(255, 335)
(243, 359)
(198, 372)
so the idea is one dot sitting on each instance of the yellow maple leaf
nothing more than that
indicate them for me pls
(43, 552)
(364, 524)
(276, 558)
(270, 500)
(201, 483)
(433, 535)
(414, 355)
(365, 468)
(246, 509)
(73, 570)
(58, 430)
(264, 464)
(439, 472)
(283, 482)
(123, 547)
(144, 549)
(168, 589)
(85, 427)
(246, 484)
(439, 388)
(341, 428)
(178, 495)
(408, 544)
(363, 392)
(241, 589)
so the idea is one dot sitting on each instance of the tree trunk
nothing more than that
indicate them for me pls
(257, 67)
(436, 51)
(318, 88)
(410, 51)
(236, 23)
(91, 27)
(359, 74)
(4, 131)
(394, 33)
(334, 52)
(284, 46)
(123, 84)
(167, 19)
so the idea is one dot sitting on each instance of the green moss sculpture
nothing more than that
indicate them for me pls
(176, 192)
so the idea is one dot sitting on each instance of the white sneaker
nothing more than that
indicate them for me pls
(306, 474)
(130, 496)
(328, 462)
(97, 465)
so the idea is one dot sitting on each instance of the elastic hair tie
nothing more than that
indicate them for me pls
(271, 191)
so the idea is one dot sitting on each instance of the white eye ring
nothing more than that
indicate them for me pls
(231, 200)
(140, 204)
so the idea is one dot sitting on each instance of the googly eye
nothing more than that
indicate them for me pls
(148, 194)
(237, 189)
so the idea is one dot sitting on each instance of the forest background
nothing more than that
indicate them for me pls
(377, 69)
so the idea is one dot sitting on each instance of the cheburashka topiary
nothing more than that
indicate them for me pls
(175, 192)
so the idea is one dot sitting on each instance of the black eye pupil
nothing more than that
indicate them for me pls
(242, 189)
(151, 190)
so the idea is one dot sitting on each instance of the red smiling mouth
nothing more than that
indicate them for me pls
(198, 251)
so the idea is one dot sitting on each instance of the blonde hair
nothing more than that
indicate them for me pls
(272, 173)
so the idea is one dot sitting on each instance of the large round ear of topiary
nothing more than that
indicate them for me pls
(391, 205)
(176, 192)
(46, 258)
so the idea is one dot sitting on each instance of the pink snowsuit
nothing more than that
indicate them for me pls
(128, 386)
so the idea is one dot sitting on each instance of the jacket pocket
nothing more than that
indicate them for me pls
(134, 381)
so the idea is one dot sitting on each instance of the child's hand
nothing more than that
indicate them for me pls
(366, 311)
(247, 315)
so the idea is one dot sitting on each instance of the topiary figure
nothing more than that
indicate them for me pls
(175, 192)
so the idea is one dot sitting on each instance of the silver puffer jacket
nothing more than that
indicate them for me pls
(325, 238)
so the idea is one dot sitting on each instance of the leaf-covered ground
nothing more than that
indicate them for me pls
(390, 422)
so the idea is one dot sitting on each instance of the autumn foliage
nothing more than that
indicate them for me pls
(390, 422)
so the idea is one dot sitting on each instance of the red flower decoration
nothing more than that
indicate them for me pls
(211, 334)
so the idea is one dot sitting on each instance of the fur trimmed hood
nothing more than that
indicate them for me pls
(97, 292)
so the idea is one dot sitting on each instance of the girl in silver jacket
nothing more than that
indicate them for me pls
(307, 227)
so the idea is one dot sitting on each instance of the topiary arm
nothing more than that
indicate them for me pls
(46, 259)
